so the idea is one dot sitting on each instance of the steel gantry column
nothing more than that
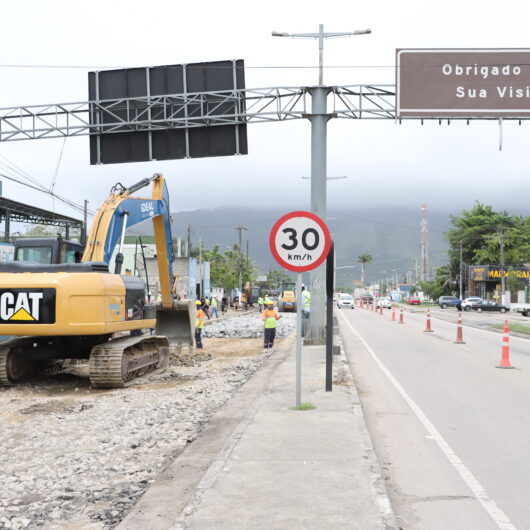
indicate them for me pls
(318, 118)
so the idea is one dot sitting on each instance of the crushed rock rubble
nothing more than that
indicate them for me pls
(249, 326)
(77, 457)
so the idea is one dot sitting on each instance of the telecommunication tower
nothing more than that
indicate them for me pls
(424, 258)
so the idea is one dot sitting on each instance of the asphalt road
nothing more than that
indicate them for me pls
(451, 430)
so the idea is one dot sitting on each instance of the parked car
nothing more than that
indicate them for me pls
(449, 301)
(489, 305)
(345, 300)
(367, 299)
(414, 300)
(468, 303)
(385, 302)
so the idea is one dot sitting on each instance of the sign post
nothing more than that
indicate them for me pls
(300, 242)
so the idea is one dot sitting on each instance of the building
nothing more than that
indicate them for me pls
(485, 280)
(192, 277)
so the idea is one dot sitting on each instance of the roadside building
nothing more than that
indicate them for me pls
(192, 277)
(485, 280)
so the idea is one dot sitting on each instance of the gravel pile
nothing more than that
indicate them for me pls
(77, 457)
(249, 326)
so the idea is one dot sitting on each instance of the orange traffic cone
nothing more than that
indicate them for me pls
(393, 317)
(505, 360)
(401, 321)
(428, 327)
(459, 337)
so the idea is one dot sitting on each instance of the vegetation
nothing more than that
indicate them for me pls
(443, 284)
(519, 328)
(481, 232)
(364, 259)
(224, 268)
(276, 277)
(304, 406)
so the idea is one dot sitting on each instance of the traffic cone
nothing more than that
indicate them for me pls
(393, 318)
(428, 327)
(361, 305)
(505, 360)
(401, 321)
(459, 337)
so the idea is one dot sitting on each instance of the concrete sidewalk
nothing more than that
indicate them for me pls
(281, 468)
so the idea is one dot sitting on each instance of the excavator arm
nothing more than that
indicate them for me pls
(120, 211)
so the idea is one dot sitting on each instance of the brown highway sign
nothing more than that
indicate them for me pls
(463, 83)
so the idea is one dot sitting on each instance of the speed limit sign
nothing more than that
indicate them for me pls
(300, 241)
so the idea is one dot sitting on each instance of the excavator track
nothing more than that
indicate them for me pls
(12, 366)
(119, 361)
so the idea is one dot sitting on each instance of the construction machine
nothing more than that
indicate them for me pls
(84, 311)
(287, 298)
(48, 250)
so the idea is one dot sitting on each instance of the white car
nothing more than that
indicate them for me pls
(469, 303)
(384, 302)
(345, 300)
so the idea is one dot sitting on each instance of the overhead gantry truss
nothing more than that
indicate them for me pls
(178, 111)
(203, 109)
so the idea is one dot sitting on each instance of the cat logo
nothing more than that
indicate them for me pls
(26, 306)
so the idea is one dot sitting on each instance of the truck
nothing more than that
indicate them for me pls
(524, 309)
(82, 310)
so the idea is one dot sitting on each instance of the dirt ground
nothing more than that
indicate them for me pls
(74, 453)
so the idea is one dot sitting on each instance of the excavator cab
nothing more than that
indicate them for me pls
(48, 250)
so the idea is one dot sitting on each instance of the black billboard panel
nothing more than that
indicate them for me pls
(155, 135)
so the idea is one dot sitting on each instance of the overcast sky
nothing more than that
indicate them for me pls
(447, 167)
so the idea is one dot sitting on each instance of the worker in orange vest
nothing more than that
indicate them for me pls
(199, 325)
(270, 317)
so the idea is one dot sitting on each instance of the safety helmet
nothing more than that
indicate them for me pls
(268, 301)
(198, 302)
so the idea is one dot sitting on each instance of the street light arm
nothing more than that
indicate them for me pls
(279, 34)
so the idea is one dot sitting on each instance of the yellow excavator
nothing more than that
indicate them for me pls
(83, 311)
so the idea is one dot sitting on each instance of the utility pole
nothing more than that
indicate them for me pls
(200, 265)
(424, 258)
(461, 296)
(240, 254)
(84, 229)
(188, 250)
(319, 118)
(503, 281)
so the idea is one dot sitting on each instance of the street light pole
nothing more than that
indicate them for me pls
(319, 118)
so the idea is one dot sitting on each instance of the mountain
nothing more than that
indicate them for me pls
(391, 234)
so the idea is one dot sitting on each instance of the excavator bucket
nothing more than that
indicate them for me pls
(177, 323)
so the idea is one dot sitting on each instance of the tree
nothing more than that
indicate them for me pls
(224, 268)
(442, 284)
(481, 232)
(276, 278)
(364, 259)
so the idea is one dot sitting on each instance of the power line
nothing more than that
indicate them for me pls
(258, 67)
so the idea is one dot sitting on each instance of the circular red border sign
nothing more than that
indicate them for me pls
(313, 264)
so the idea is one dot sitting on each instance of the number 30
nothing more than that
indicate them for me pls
(294, 241)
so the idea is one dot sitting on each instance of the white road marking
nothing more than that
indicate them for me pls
(498, 516)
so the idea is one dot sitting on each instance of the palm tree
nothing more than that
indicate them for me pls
(363, 259)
